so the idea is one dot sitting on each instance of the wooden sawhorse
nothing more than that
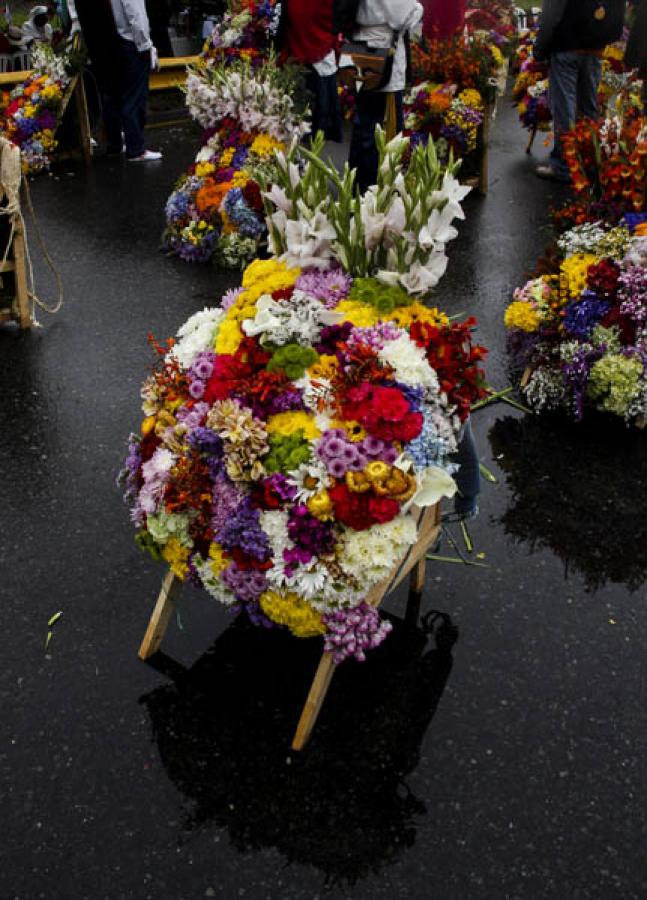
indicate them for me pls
(412, 564)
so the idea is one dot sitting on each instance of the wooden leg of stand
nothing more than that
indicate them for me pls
(20, 275)
(390, 117)
(315, 700)
(84, 121)
(160, 619)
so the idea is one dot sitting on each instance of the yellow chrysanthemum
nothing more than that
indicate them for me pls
(218, 562)
(405, 316)
(521, 315)
(264, 145)
(176, 555)
(472, 98)
(574, 270)
(286, 423)
(325, 367)
(264, 276)
(229, 337)
(289, 609)
(359, 314)
(240, 179)
(204, 168)
(226, 157)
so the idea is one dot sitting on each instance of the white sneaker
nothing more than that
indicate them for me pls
(146, 156)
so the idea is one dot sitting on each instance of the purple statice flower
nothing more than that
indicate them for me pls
(226, 499)
(583, 315)
(206, 441)
(331, 286)
(247, 584)
(192, 416)
(576, 378)
(331, 336)
(47, 119)
(288, 401)
(632, 293)
(351, 632)
(130, 477)
(455, 136)
(242, 531)
(520, 346)
(240, 156)
(197, 253)
(374, 448)
(257, 616)
(308, 533)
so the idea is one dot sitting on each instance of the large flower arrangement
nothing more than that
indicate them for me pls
(449, 116)
(469, 62)
(30, 113)
(289, 432)
(246, 104)
(582, 330)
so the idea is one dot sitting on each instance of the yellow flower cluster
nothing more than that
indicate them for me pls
(226, 157)
(286, 423)
(573, 272)
(521, 315)
(405, 316)
(218, 562)
(469, 129)
(264, 145)
(472, 98)
(289, 609)
(204, 168)
(176, 555)
(497, 56)
(325, 367)
(263, 276)
(353, 429)
(240, 178)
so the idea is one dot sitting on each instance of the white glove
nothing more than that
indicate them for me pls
(155, 60)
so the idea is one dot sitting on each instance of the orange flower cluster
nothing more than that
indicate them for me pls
(608, 160)
(469, 64)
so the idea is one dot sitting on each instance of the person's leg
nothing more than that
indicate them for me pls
(363, 155)
(468, 477)
(590, 72)
(563, 79)
(134, 97)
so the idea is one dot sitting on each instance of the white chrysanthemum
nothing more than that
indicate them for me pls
(359, 557)
(409, 362)
(196, 335)
(214, 584)
(274, 523)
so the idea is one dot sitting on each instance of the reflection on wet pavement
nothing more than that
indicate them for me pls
(223, 730)
(574, 490)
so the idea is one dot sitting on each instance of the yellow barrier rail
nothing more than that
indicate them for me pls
(171, 74)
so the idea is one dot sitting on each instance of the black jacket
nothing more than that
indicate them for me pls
(636, 52)
(578, 25)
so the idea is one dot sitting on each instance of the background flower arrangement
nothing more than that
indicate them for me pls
(580, 328)
(450, 117)
(289, 432)
(30, 113)
(470, 61)
(249, 107)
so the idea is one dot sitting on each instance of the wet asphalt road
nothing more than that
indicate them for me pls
(512, 766)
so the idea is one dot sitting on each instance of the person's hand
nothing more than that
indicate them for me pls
(155, 60)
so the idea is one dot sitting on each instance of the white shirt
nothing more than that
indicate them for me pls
(132, 22)
(377, 20)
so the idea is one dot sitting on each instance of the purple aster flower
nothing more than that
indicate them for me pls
(331, 286)
(196, 389)
(230, 297)
(192, 416)
(583, 315)
(246, 584)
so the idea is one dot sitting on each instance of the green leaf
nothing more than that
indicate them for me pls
(55, 618)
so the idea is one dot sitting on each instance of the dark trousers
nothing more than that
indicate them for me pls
(326, 112)
(125, 100)
(573, 92)
(370, 112)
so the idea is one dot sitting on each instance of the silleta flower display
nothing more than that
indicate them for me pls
(245, 102)
(30, 113)
(289, 433)
(580, 329)
(449, 116)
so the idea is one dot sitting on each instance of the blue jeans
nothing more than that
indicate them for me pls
(468, 477)
(574, 78)
(124, 104)
(370, 111)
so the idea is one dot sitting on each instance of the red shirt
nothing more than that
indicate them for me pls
(309, 33)
(443, 18)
